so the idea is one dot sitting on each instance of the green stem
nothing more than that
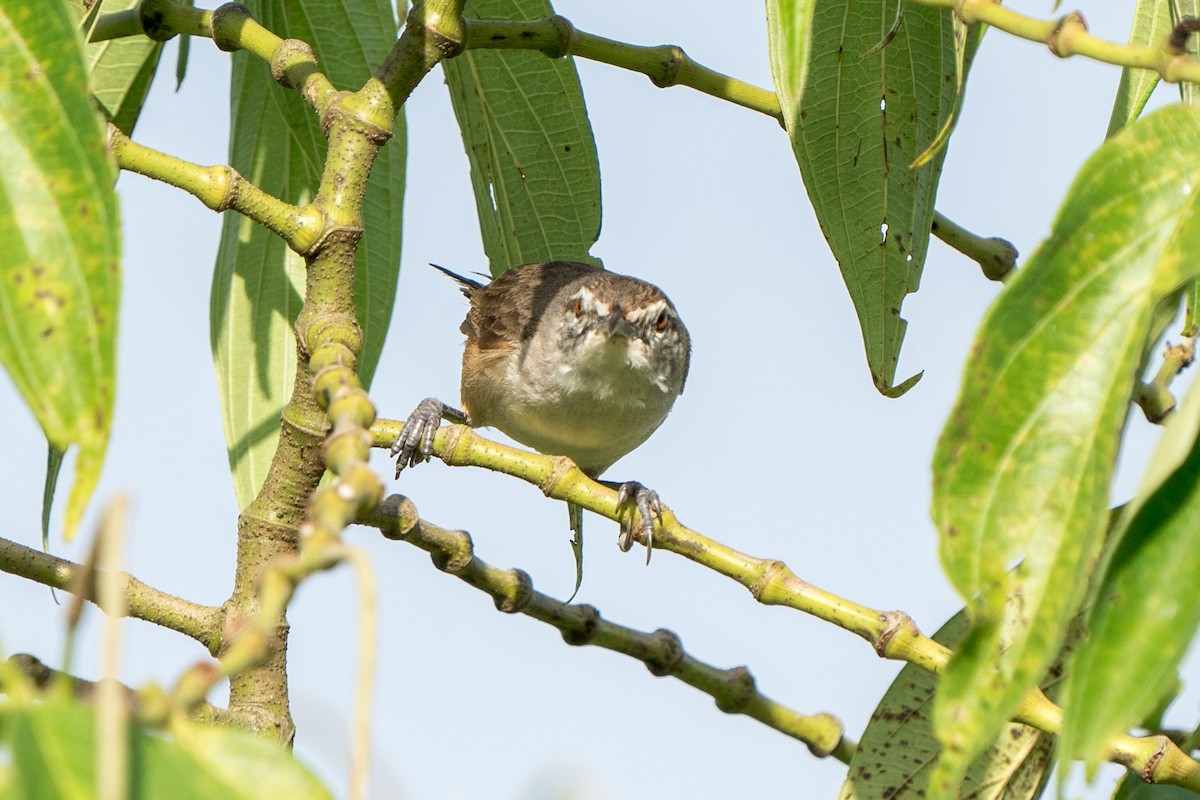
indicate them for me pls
(734, 690)
(221, 188)
(1068, 36)
(996, 256)
(202, 623)
(892, 634)
(665, 65)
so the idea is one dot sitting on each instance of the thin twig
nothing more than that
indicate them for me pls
(199, 622)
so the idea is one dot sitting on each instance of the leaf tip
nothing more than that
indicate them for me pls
(893, 392)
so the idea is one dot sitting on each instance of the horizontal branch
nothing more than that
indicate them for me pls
(44, 677)
(892, 634)
(668, 65)
(665, 65)
(231, 27)
(202, 623)
(997, 257)
(734, 690)
(1068, 36)
(221, 188)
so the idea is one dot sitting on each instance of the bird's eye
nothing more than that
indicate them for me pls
(662, 322)
(578, 307)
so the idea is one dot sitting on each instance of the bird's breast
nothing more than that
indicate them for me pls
(593, 419)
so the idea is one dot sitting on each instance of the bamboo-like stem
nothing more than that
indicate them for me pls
(199, 622)
(734, 690)
(158, 19)
(221, 188)
(668, 65)
(665, 65)
(287, 532)
(892, 634)
(231, 28)
(1068, 36)
(1155, 397)
(997, 257)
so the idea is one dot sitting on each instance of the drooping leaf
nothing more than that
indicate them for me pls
(1146, 614)
(60, 235)
(1022, 470)
(122, 71)
(54, 757)
(880, 81)
(1013, 767)
(533, 159)
(258, 285)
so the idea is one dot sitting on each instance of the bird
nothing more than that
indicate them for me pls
(571, 360)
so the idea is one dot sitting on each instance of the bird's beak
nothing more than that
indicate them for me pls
(618, 325)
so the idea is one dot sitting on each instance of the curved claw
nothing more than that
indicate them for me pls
(415, 442)
(636, 496)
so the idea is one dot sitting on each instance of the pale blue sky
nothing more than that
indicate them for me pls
(704, 199)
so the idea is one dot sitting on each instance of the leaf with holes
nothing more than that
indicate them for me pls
(878, 82)
(1013, 767)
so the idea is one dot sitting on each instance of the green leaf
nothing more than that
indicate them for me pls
(59, 231)
(258, 285)
(1191, 317)
(54, 757)
(966, 42)
(54, 462)
(1013, 767)
(246, 765)
(1151, 24)
(789, 34)
(533, 159)
(122, 70)
(1022, 470)
(871, 105)
(181, 60)
(1146, 614)
(1131, 788)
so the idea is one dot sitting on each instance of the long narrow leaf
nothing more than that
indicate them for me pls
(878, 82)
(258, 284)
(533, 158)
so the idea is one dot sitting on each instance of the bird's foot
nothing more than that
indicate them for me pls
(635, 497)
(415, 442)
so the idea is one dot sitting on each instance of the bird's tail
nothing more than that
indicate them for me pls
(466, 285)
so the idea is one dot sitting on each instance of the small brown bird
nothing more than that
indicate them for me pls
(570, 360)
